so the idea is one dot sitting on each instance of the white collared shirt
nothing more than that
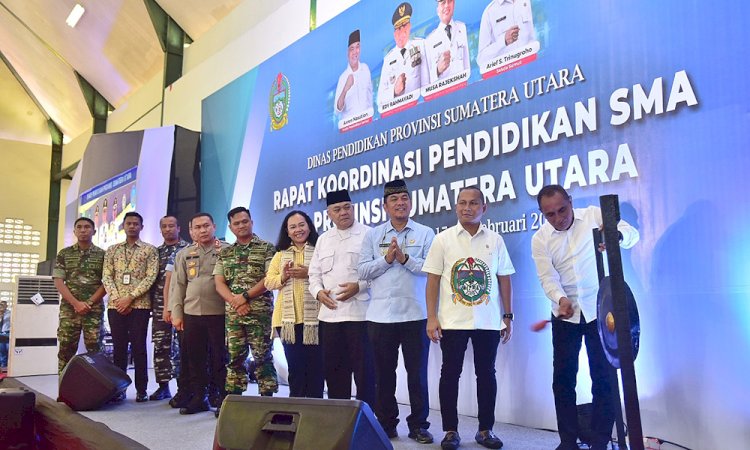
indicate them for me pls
(334, 262)
(437, 43)
(566, 262)
(468, 267)
(359, 97)
(411, 63)
(497, 18)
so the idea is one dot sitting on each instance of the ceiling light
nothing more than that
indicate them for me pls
(75, 15)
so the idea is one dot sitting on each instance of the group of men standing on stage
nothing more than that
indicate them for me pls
(178, 284)
(348, 299)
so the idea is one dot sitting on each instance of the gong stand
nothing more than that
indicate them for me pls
(614, 379)
(610, 207)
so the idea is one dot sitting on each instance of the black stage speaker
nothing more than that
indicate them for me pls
(298, 423)
(17, 418)
(90, 380)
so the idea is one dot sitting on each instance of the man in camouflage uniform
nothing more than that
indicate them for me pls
(161, 326)
(239, 275)
(78, 279)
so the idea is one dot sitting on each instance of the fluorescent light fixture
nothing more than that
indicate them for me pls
(75, 15)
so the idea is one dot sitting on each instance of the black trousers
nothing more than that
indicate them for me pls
(453, 344)
(199, 331)
(131, 328)
(566, 344)
(415, 345)
(346, 351)
(305, 364)
(183, 374)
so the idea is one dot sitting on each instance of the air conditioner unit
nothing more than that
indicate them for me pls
(33, 331)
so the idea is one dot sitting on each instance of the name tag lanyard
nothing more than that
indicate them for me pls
(385, 245)
(128, 260)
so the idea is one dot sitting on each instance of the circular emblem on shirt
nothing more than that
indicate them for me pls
(278, 101)
(470, 282)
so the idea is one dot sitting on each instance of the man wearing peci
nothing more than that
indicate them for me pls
(354, 89)
(344, 298)
(391, 260)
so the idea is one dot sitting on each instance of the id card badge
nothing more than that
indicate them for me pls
(384, 249)
(126, 279)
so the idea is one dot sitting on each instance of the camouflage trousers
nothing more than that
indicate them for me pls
(166, 349)
(253, 330)
(69, 333)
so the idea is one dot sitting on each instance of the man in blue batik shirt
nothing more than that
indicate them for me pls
(391, 260)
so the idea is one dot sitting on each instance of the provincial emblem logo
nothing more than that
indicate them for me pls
(278, 102)
(470, 282)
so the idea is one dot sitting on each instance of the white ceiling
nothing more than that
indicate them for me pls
(114, 47)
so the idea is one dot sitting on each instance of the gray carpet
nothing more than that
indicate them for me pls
(159, 427)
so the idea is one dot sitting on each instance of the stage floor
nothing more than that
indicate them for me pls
(159, 427)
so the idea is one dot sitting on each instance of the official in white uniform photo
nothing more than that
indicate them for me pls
(447, 46)
(506, 25)
(354, 89)
(404, 68)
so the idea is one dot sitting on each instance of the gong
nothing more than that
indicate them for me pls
(608, 327)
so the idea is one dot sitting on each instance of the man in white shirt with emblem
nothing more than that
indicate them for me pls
(506, 25)
(354, 89)
(404, 68)
(468, 276)
(344, 299)
(563, 251)
(391, 260)
(447, 46)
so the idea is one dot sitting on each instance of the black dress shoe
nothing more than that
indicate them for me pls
(567, 447)
(196, 405)
(162, 393)
(451, 441)
(180, 399)
(141, 397)
(421, 435)
(118, 398)
(487, 438)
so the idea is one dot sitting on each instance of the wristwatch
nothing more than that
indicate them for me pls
(246, 296)
(508, 316)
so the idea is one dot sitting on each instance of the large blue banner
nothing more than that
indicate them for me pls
(643, 99)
